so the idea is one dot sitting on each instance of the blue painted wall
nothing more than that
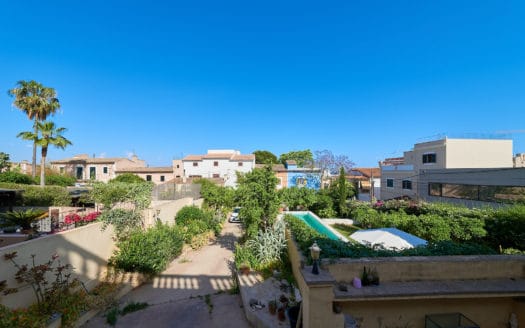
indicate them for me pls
(310, 180)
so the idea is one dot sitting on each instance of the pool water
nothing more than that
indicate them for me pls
(314, 223)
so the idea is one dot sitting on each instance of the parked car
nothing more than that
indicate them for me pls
(234, 217)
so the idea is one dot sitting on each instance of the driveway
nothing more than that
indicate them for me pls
(194, 291)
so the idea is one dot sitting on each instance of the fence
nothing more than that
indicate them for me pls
(173, 191)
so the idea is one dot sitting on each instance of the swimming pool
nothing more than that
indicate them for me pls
(318, 225)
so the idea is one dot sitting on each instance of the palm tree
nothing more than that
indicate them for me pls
(37, 102)
(47, 134)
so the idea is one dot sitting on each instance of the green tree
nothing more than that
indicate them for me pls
(4, 162)
(216, 198)
(257, 195)
(303, 158)
(128, 178)
(264, 157)
(342, 193)
(47, 135)
(37, 102)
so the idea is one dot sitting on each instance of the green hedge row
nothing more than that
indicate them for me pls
(38, 196)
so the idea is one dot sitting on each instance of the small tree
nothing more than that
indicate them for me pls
(49, 135)
(303, 158)
(264, 157)
(330, 163)
(258, 197)
(128, 177)
(5, 165)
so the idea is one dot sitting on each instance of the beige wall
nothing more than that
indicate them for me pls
(474, 153)
(397, 191)
(416, 268)
(166, 210)
(493, 313)
(86, 248)
(155, 176)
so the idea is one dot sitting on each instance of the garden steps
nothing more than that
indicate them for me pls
(433, 289)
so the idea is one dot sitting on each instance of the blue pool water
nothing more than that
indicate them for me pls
(316, 225)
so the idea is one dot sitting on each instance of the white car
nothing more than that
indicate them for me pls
(234, 217)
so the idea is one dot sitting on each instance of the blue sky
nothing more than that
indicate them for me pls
(165, 79)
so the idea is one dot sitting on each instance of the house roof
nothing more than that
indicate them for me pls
(368, 171)
(275, 167)
(393, 161)
(90, 160)
(163, 169)
(230, 156)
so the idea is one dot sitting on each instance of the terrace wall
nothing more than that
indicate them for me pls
(86, 248)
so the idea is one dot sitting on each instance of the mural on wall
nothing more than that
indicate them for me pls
(301, 179)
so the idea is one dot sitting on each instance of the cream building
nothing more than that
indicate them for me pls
(401, 179)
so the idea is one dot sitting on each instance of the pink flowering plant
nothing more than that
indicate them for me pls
(77, 220)
(72, 218)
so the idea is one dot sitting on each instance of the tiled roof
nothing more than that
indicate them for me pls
(369, 171)
(89, 160)
(163, 169)
(218, 155)
(193, 158)
(249, 157)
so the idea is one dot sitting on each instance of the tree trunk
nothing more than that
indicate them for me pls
(43, 167)
(33, 166)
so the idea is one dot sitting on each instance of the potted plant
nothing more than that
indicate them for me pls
(24, 219)
(244, 268)
(281, 313)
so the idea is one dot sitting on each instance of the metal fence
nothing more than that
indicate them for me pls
(172, 191)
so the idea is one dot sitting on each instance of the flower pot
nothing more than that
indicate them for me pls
(281, 314)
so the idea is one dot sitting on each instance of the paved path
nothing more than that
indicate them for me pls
(192, 292)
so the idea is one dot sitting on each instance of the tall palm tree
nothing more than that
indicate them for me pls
(37, 102)
(47, 134)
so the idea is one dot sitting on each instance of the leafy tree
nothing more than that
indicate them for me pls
(128, 178)
(49, 135)
(328, 162)
(257, 195)
(37, 102)
(303, 158)
(264, 157)
(295, 197)
(216, 197)
(4, 162)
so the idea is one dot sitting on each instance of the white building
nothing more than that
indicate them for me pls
(223, 164)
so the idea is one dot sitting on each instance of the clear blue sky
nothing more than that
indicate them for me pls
(165, 79)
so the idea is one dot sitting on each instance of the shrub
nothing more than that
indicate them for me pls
(149, 251)
(24, 219)
(194, 221)
(46, 196)
(268, 245)
(507, 228)
(125, 222)
(59, 180)
(189, 213)
(244, 256)
(128, 178)
(16, 177)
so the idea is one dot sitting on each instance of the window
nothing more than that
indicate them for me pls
(62, 170)
(177, 165)
(390, 183)
(195, 164)
(429, 158)
(105, 170)
(216, 175)
(215, 163)
(239, 164)
(92, 173)
(148, 177)
(407, 184)
(434, 189)
(161, 178)
(300, 181)
(80, 173)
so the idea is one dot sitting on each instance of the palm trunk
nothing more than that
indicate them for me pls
(33, 167)
(43, 167)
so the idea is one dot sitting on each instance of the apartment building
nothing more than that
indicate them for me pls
(218, 164)
(476, 165)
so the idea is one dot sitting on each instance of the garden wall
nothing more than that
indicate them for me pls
(165, 210)
(86, 248)
(417, 268)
